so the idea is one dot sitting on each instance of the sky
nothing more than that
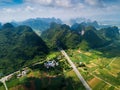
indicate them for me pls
(100, 10)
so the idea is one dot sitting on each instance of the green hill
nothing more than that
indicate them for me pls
(78, 36)
(111, 33)
(61, 35)
(92, 37)
(19, 45)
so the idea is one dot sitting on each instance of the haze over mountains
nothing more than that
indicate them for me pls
(41, 24)
(38, 23)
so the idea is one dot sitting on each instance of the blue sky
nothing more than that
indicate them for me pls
(100, 10)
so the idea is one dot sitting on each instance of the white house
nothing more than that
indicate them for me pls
(23, 73)
(52, 63)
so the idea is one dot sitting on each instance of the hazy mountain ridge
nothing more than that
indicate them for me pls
(38, 23)
(41, 24)
(0, 25)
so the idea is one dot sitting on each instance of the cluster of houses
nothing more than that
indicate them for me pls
(6, 78)
(23, 73)
(52, 63)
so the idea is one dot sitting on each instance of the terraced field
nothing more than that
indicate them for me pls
(100, 72)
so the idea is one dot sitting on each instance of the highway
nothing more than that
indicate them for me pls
(75, 69)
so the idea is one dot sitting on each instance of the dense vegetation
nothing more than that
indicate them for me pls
(19, 45)
(61, 35)
(79, 35)
(110, 33)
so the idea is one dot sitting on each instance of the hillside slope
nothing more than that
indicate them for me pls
(73, 37)
(18, 45)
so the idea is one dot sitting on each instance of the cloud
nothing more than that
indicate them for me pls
(29, 8)
(67, 3)
(64, 9)
(8, 10)
(56, 3)
(42, 2)
(97, 3)
(63, 3)
(52, 3)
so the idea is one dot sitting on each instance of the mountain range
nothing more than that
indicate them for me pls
(41, 24)
(38, 23)
(79, 35)
(20, 44)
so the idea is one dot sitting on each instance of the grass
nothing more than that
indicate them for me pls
(41, 78)
(77, 85)
(66, 81)
(93, 82)
(15, 82)
(104, 74)
(53, 55)
(2, 86)
(106, 68)
(99, 86)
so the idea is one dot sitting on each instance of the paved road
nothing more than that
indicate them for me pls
(75, 69)
(5, 85)
(5, 78)
(3, 81)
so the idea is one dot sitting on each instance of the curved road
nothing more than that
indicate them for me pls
(75, 69)
(3, 81)
(5, 78)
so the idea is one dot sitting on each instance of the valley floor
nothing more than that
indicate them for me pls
(60, 77)
(100, 72)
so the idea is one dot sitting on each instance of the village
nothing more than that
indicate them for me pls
(26, 70)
